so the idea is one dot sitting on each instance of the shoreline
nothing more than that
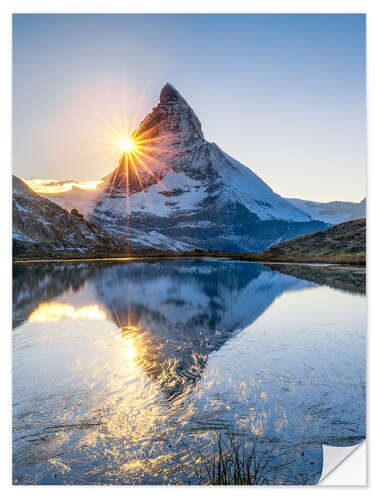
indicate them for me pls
(239, 258)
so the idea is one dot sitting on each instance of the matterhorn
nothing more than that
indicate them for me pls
(181, 192)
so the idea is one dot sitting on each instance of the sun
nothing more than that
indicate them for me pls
(126, 144)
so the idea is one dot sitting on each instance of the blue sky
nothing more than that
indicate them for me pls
(283, 94)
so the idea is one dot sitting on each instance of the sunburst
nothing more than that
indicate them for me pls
(140, 157)
(127, 144)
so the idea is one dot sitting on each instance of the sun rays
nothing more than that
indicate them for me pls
(137, 154)
(138, 159)
(126, 144)
(141, 158)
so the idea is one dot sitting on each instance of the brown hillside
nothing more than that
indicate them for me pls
(343, 243)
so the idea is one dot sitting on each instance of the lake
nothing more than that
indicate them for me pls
(131, 372)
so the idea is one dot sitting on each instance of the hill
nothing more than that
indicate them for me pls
(343, 243)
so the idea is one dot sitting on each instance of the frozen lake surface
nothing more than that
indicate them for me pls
(126, 372)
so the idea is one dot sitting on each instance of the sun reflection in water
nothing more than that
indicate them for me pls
(129, 349)
(54, 311)
(132, 338)
(137, 426)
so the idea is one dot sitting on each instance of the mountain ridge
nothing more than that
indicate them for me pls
(43, 228)
(332, 212)
(181, 192)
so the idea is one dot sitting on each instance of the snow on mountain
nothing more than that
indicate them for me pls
(187, 190)
(250, 190)
(333, 212)
(81, 199)
(180, 192)
(42, 228)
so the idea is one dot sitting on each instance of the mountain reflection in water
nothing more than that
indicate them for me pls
(179, 312)
(121, 404)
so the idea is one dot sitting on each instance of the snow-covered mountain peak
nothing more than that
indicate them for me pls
(177, 190)
(170, 118)
(169, 94)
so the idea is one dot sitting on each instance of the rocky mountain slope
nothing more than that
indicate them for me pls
(333, 212)
(343, 243)
(43, 229)
(181, 192)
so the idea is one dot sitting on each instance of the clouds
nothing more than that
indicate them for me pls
(53, 186)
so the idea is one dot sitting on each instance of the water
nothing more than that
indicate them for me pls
(129, 372)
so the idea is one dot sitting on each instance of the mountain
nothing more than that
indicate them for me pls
(333, 212)
(81, 199)
(343, 243)
(178, 191)
(43, 229)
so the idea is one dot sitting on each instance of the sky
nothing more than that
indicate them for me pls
(283, 94)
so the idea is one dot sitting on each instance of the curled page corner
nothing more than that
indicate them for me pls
(355, 470)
